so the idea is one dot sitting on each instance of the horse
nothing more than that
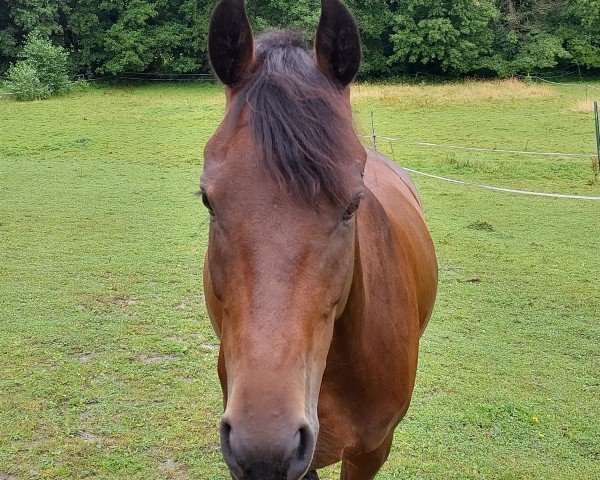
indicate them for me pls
(320, 274)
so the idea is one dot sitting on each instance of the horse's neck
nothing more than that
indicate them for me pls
(373, 249)
(350, 324)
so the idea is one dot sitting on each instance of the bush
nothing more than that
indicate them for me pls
(41, 70)
(24, 84)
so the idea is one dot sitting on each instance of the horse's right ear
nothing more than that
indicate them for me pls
(230, 44)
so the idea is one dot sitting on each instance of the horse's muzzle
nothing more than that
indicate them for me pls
(279, 456)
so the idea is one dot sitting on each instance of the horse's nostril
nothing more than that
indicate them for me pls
(226, 433)
(228, 453)
(303, 443)
(300, 461)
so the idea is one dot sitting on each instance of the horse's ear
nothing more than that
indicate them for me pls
(230, 44)
(337, 44)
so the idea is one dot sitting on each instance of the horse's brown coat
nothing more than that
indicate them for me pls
(319, 309)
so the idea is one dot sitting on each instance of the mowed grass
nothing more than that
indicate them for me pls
(107, 358)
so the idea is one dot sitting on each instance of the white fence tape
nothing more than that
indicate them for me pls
(502, 189)
(492, 187)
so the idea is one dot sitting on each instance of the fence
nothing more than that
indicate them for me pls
(587, 86)
(374, 139)
(152, 77)
(140, 77)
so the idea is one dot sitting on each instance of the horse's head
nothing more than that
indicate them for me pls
(282, 181)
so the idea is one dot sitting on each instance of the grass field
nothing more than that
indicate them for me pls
(107, 359)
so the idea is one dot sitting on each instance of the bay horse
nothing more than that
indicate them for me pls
(320, 274)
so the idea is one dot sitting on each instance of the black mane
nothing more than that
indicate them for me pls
(301, 129)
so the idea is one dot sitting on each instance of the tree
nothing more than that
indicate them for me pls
(18, 18)
(443, 35)
(460, 37)
(580, 29)
(526, 38)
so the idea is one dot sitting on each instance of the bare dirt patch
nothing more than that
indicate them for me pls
(170, 464)
(173, 469)
(157, 358)
(7, 476)
(89, 437)
(125, 301)
(86, 357)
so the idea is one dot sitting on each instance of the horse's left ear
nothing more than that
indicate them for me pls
(337, 44)
(230, 42)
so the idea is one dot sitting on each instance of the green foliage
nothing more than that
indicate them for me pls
(375, 20)
(526, 36)
(581, 32)
(8, 37)
(23, 82)
(40, 72)
(449, 36)
(49, 61)
(138, 36)
(541, 51)
(462, 37)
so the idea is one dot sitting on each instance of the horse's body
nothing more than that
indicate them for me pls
(319, 304)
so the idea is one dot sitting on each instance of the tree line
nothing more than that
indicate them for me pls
(400, 37)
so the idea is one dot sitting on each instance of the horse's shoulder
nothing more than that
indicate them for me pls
(386, 178)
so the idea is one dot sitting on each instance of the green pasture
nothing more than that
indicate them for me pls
(107, 358)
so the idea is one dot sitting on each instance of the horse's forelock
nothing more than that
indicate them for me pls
(301, 129)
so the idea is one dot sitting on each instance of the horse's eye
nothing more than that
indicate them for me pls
(351, 210)
(206, 203)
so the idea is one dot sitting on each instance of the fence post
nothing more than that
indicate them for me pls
(597, 131)
(373, 132)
